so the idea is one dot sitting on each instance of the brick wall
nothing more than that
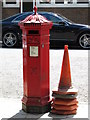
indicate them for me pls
(78, 15)
(6, 12)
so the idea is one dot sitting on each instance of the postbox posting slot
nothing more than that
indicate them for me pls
(33, 32)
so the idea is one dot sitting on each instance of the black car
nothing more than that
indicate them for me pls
(63, 31)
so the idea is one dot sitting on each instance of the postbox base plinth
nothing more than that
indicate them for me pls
(36, 109)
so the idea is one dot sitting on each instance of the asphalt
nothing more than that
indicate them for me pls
(11, 82)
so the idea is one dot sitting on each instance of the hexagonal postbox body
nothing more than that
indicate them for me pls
(35, 30)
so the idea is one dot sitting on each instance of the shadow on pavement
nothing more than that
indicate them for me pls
(54, 116)
(23, 116)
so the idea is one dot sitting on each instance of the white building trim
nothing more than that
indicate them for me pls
(21, 6)
(11, 5)
(64, 5)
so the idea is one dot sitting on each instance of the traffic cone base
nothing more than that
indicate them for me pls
(65, 102)
(64, 96)
(66, 91)
(63, 112)
(64, 107)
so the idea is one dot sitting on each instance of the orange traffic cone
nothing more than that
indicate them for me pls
(65, 101)
(65, 85)
(65, 79)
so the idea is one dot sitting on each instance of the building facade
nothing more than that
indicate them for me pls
(76, 10)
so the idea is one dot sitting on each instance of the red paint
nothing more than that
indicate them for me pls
(36, 69)
(35, 9)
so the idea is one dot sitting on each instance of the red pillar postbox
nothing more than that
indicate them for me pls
(35, 30)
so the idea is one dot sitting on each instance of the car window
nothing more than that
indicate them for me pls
(54, 19)
(21, 17)
(12, 17)
(46, 16)
(64, 18)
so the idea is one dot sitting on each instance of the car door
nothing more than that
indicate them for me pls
(61, 30)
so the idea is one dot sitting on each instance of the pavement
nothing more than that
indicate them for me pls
(12, 108)
(11, 82)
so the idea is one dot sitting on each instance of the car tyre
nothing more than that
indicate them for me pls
(10, 39)
(84, 40)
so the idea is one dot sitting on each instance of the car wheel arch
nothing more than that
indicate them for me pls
(9, 30)
(83, 44)
(81, 33)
